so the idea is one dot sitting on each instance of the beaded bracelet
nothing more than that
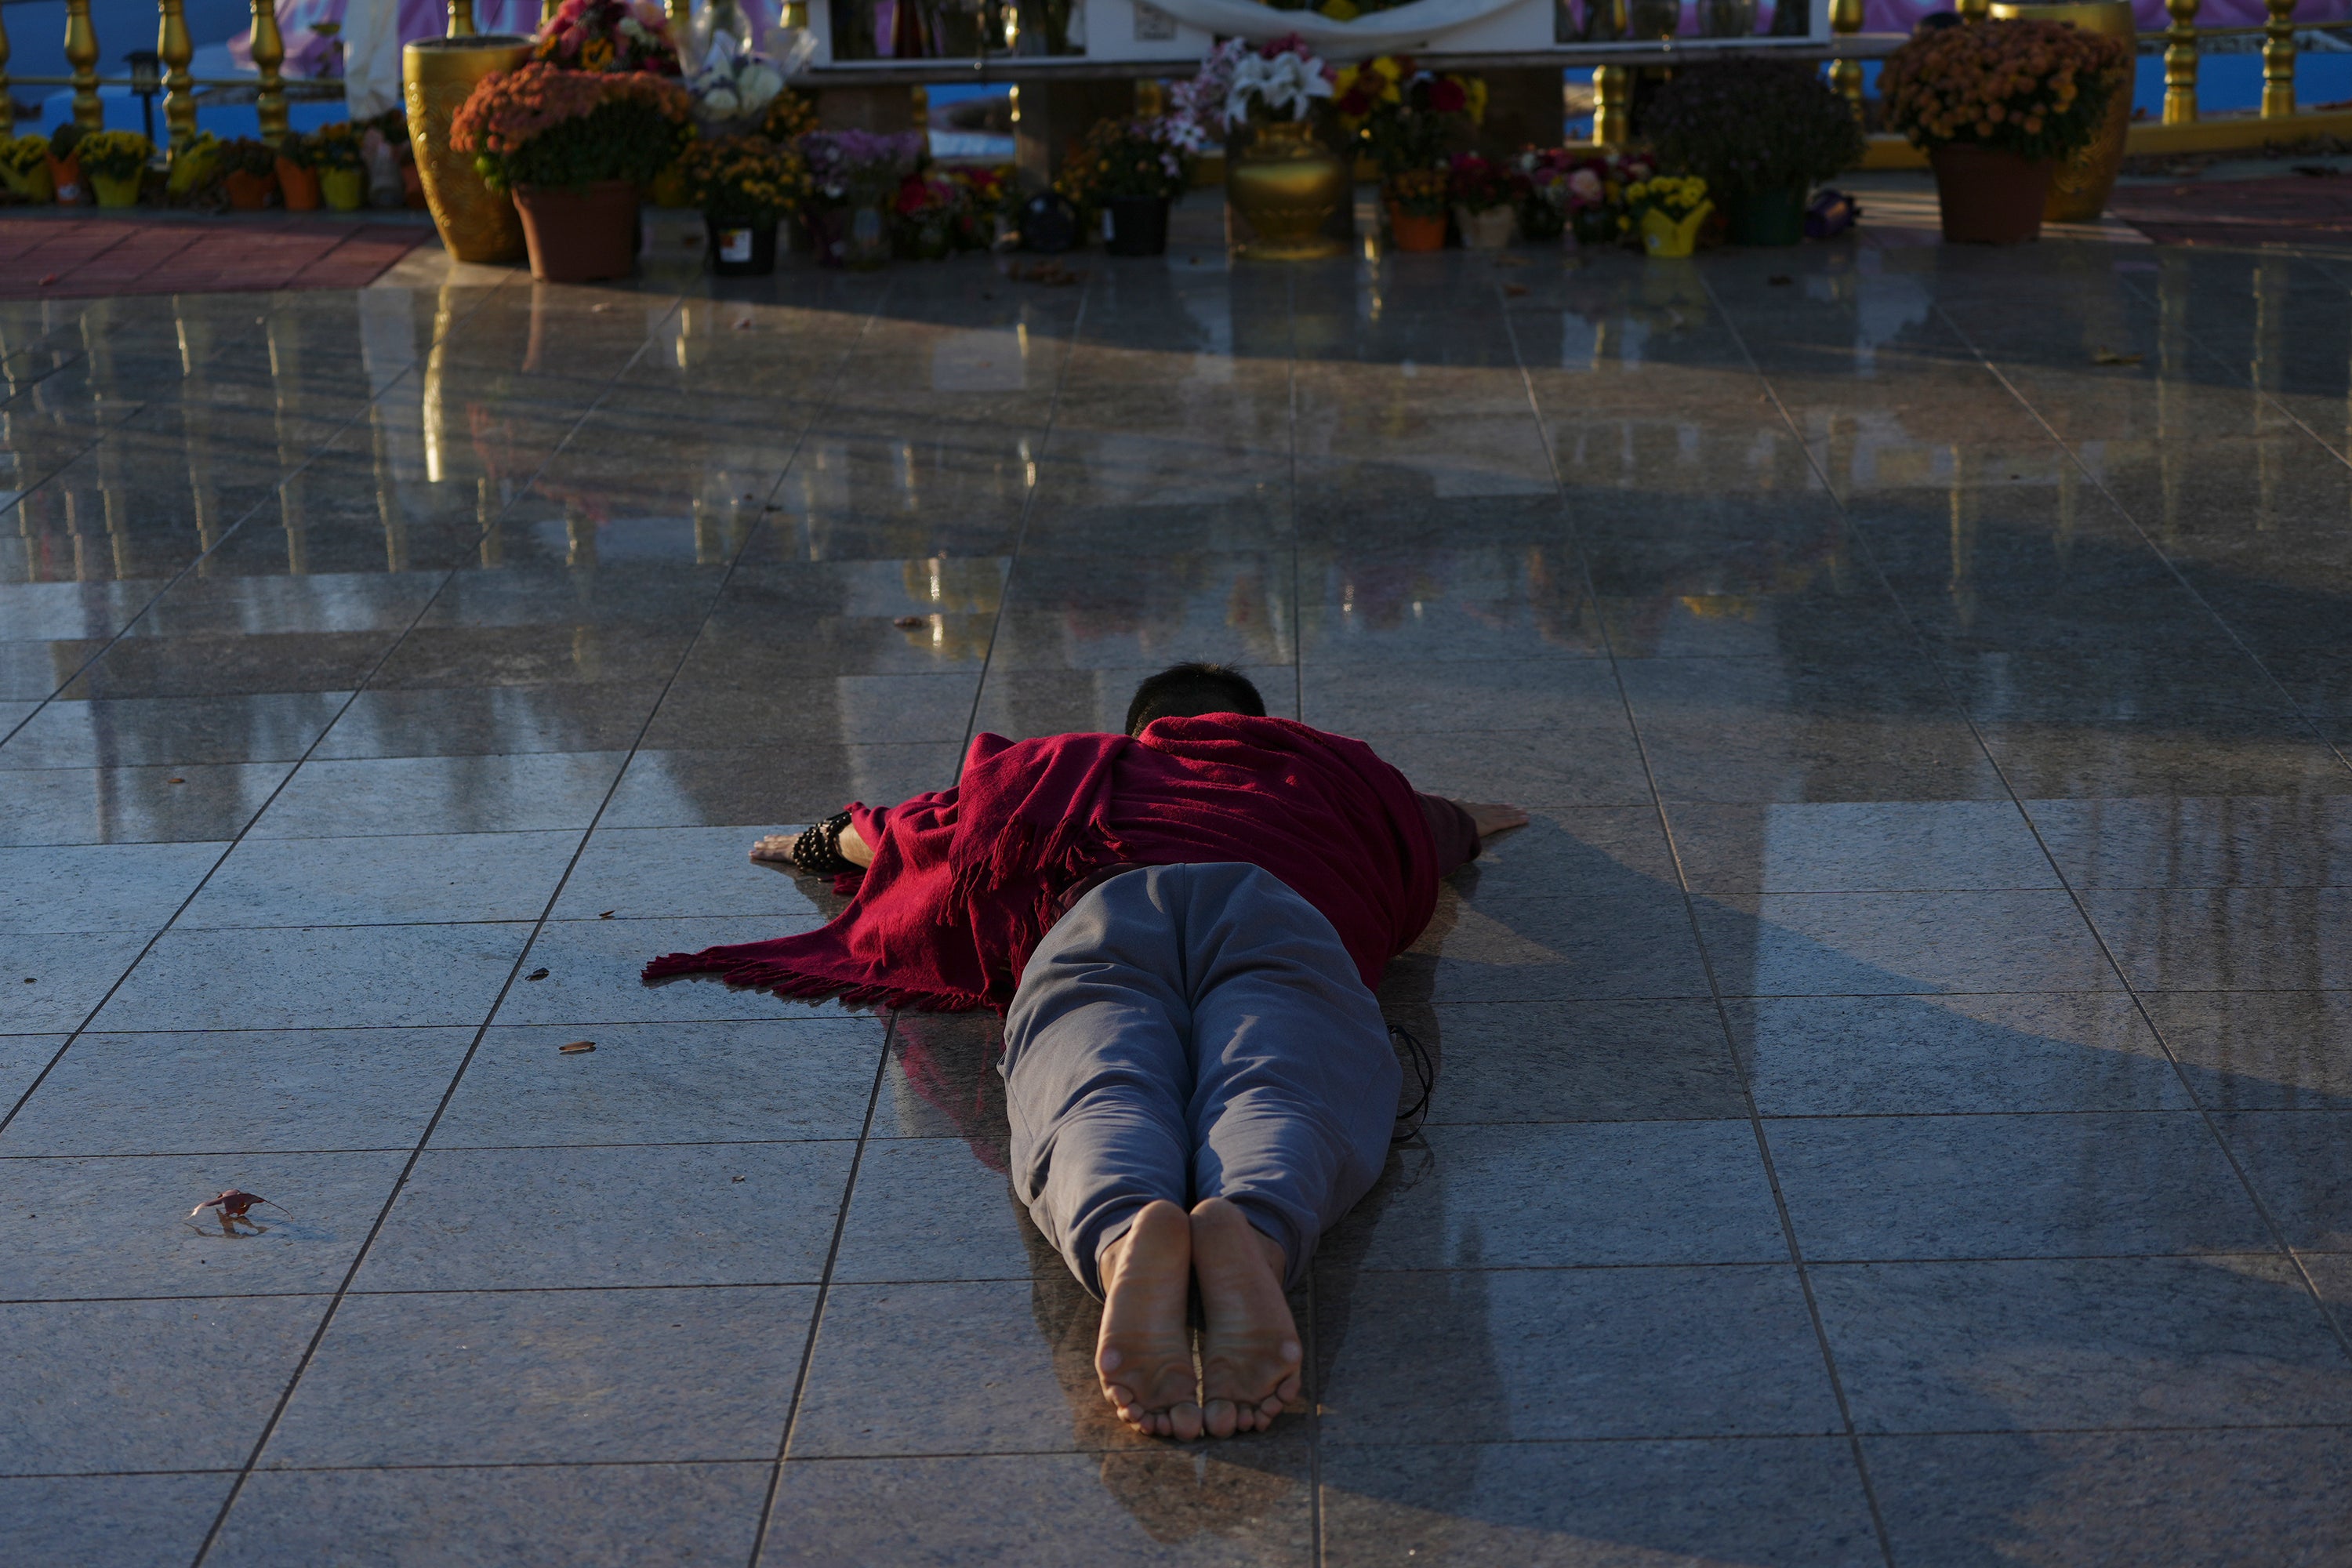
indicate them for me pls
(817, 850)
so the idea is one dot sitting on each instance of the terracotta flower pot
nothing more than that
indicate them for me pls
(1988, 197)
(580, 236)
(248, 192)
(1415, 232)
(345, 190)
(299, 185)
(65, 181)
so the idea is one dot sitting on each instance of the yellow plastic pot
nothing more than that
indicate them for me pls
(116, 190)
(1666, 237)
(193, 166)
(34, 183)
(345, 190)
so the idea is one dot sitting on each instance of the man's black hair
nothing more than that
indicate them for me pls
(1187, 690)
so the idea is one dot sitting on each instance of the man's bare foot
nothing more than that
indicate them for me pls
(1250, 1354)
(1144, 1355)
(776, 847)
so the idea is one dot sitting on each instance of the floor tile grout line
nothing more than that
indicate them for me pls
(2337, 1325)
(952, 1455)
(824, 1283)
(1796, 1254)
(229, 845)
(1318, 1548)
(1021, 529)
(677, 302)
(194, 564)
(359, 1254)
(1757, 1264)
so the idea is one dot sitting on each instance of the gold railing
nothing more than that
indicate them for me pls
(177, 49)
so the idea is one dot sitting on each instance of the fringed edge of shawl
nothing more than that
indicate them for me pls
(1072, 849)
(767, 974)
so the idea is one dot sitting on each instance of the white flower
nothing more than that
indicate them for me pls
(1285, 87)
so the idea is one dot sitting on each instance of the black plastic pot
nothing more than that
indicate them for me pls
(1137, 225)
(1767, 217)
(742, 249)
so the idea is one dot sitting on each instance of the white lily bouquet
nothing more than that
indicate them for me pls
(734, 87)
(1281, 80)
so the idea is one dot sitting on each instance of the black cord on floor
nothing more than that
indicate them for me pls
(1409, 1120)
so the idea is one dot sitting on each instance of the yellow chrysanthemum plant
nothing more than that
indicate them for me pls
(1675, 195)
(745, 180)
(2039, 89)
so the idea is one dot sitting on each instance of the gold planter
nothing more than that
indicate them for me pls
(1286, 184)
(477, 224)
(2080, 186)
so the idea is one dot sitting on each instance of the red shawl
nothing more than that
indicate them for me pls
(965, 881)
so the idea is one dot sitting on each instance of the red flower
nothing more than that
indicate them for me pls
(1447, 97)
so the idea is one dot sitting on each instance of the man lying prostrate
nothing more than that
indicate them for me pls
(1182, 927)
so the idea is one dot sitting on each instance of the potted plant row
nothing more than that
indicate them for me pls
(1762, 133)
(574, 149)
(1998, 105)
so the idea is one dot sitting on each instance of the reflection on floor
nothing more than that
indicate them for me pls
(1895, 1102)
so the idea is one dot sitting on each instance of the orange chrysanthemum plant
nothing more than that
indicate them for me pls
(2039, 89)
(544, 127)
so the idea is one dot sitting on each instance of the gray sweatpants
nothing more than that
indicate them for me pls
(1189, 1032)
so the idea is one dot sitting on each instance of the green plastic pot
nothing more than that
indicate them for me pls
(1767, 217)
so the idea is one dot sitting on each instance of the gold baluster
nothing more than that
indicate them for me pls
(547, 10)
(1151, 98)
(681, 12)
(1845, 21)
(82, 53)
(1612, 106)
(7, 99)
(2181, 62)
(171, 42)
(2278, 60)
(1973, 11)
(268, 54)
(461, 18)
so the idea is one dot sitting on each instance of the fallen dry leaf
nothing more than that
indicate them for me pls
(48, 278)
(908, 623)
(576, 1046)
(176, 781)
(31, 980)
(1514, 291)
(536, 974)
(2109, 357)
(608, 914)
(1051, 274)
(599, 310)
(232, 1203)
(738, 1178)
(742, 326)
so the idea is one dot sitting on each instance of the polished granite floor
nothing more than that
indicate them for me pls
(1895, 1102)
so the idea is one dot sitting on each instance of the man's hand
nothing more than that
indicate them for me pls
(1493, 817)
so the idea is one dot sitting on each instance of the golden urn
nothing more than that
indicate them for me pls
(437, 76)
(2079, 185)
(1286, 184)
